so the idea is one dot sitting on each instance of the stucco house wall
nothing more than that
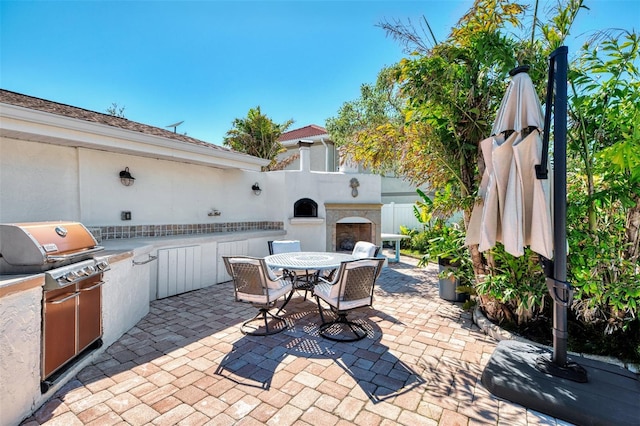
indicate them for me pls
(325, 157)
(20, 329)
(62, 163)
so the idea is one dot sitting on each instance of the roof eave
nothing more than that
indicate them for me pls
(28, 124)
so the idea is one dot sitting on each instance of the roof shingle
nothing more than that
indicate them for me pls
(18, 99)
(303, 132)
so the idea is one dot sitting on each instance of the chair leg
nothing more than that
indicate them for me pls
(340, 324)
(285, 302)
(320, 309)
(263, 315)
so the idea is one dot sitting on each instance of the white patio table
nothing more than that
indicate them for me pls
(308, 260)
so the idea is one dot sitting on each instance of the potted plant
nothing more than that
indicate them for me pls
(454, 264)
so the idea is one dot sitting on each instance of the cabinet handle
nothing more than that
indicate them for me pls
(93, 286)
(144, 262)
(64, 299)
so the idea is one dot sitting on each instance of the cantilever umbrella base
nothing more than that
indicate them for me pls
(610, 397)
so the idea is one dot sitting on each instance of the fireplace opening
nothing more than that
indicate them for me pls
(348, 234)
(305, 207)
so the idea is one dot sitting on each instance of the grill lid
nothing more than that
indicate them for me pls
(42, 243)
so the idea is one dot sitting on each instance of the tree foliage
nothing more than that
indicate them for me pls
(604, 179)
(116, 110)
(447, 93)
(377, 113)
(257, 135)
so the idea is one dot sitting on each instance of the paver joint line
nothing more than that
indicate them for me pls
(187, 362)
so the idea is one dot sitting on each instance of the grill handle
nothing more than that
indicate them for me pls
(63, 257)
(92, 287)
(62, 300)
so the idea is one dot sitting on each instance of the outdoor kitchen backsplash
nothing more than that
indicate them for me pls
(136, 231)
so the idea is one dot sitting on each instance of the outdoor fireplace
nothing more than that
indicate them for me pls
(348, 223)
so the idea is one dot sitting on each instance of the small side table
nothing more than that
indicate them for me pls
(397, 238)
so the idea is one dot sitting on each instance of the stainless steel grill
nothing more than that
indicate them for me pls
(71, 274)
(72, 297)
(40, 246)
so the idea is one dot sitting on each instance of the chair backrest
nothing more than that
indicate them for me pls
(250, 275)
(364, 249)
(284, 246)
(356, 279)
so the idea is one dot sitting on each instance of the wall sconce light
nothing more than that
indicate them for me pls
(256, 188)
(125, 177)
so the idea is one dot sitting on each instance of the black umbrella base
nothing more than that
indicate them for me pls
(611, 396)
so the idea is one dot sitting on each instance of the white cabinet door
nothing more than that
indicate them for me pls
(232, 248)
(179, 270)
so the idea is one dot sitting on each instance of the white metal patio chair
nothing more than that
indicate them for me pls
(254, 282)
(364, 249)
(351, 288)
(361, 250)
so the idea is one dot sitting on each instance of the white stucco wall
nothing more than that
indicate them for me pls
(41, 182)
(20, 322)
(37, 182)
(125, 298)
(396, 190)
(322, 188)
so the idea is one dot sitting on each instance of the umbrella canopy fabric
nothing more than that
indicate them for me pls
(514, 207)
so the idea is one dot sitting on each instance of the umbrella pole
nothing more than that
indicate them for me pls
(560, 289)
(560, 332)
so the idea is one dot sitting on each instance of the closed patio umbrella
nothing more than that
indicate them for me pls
(530, 375)
(515, 207)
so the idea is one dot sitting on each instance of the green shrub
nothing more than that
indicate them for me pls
(516, 282)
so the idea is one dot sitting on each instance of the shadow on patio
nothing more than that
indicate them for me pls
(187, 362)
(381, 375)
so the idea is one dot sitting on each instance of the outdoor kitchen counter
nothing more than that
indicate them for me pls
(140, 243)
(11, 284)
(143, 246)
(121, 249)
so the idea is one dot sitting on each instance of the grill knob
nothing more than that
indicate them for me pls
(88, 270)
(102, 265)
(71, 276)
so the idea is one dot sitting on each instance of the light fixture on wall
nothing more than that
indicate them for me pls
(125, 177)
(256, 188)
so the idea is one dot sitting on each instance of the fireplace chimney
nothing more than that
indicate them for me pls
(305, 154)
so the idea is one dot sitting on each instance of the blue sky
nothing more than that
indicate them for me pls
(208, 62)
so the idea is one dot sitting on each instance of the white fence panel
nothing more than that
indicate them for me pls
(394, 215)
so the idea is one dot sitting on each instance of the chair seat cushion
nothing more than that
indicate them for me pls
(274, 293)
(329, 293)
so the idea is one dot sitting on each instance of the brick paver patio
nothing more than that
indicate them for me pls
(187, 363)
